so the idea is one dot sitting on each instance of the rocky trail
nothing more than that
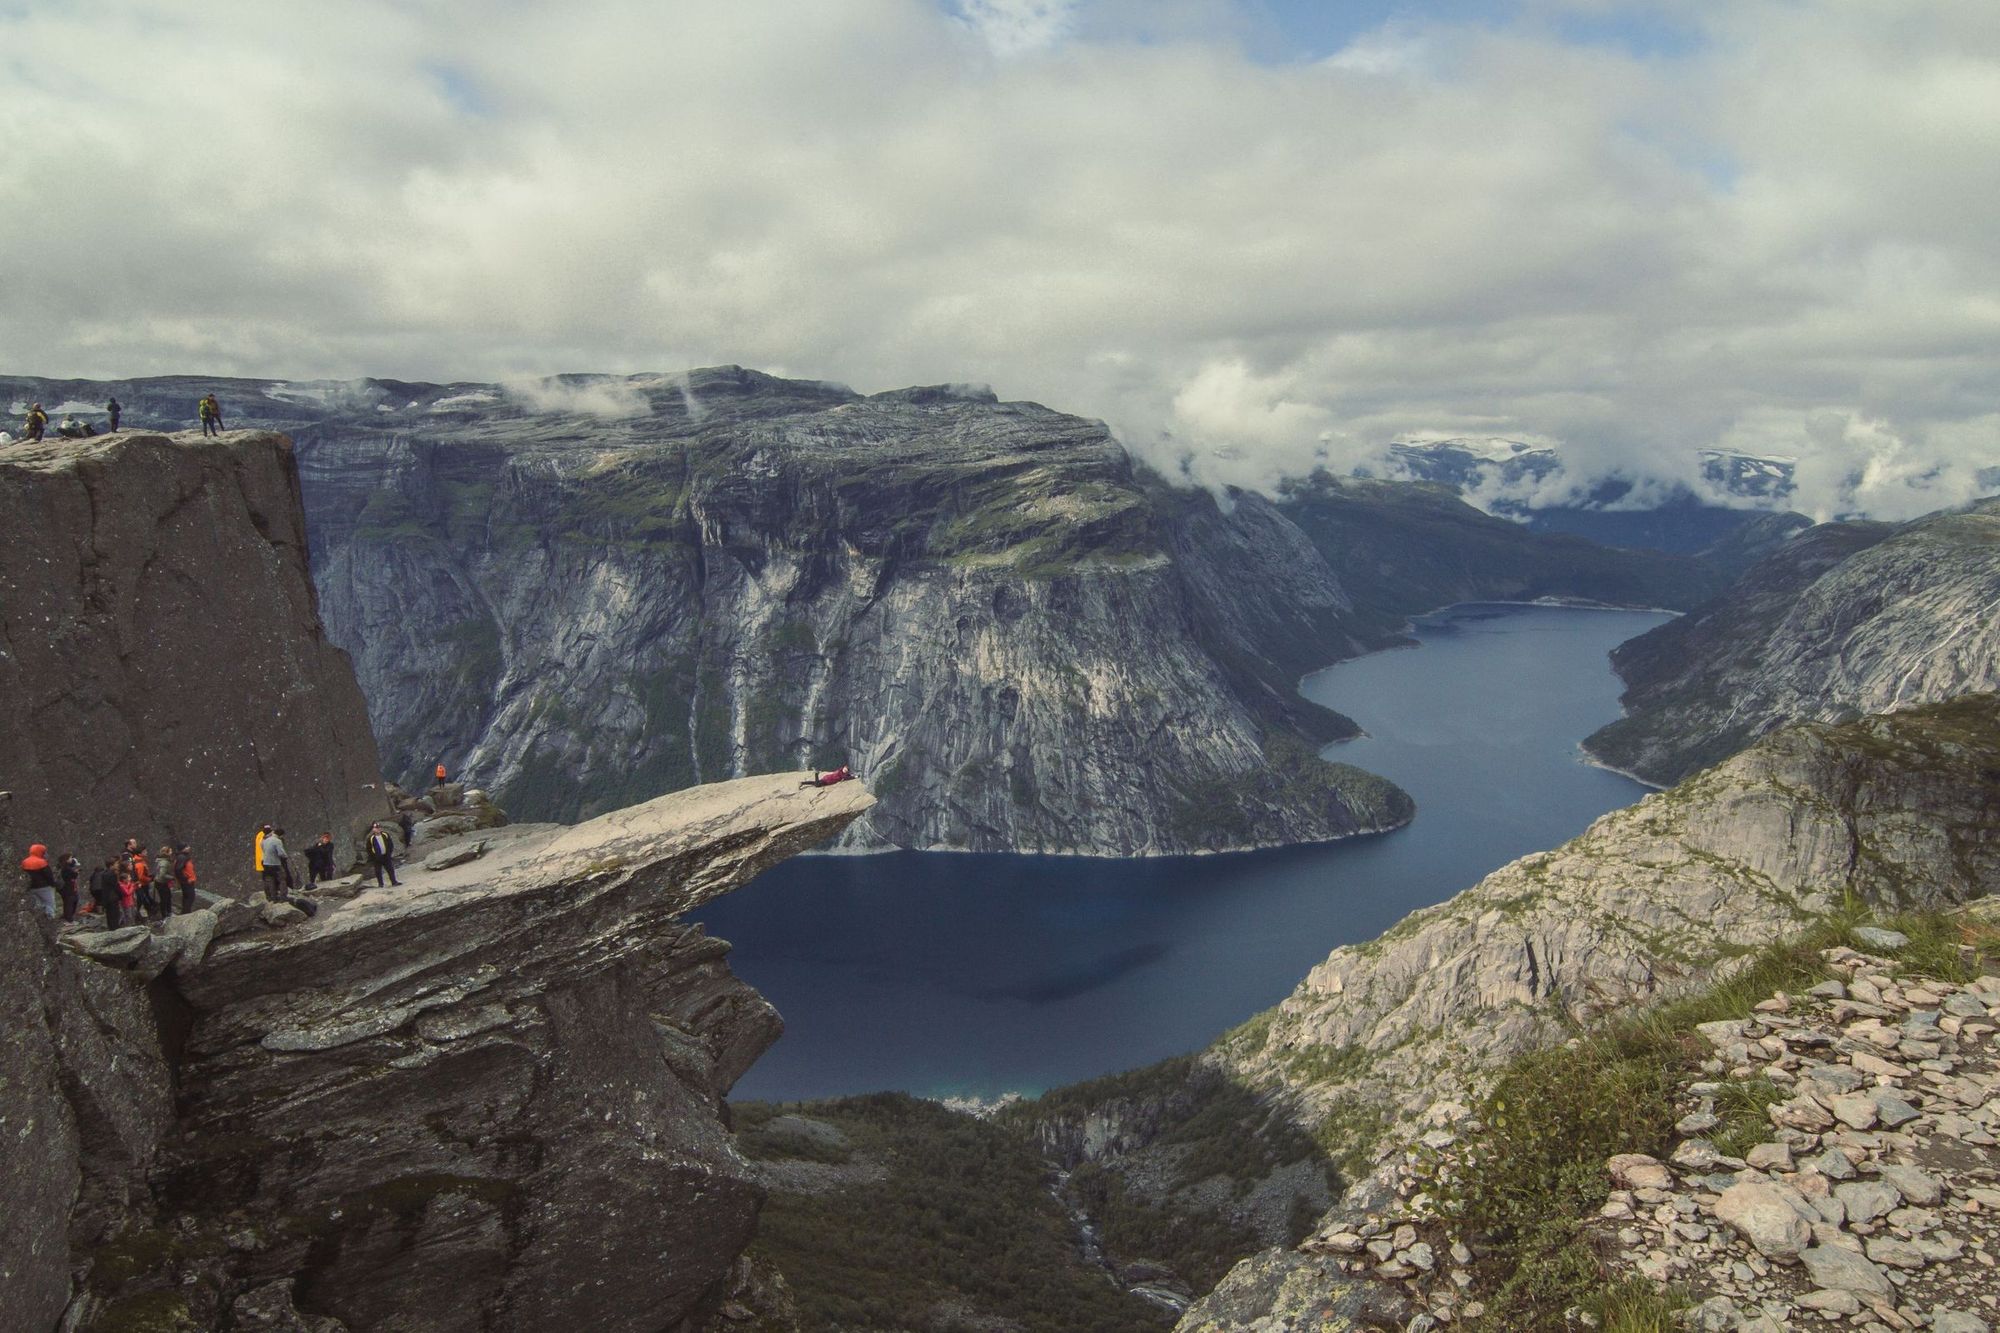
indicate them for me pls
(1872, 1203)
(1875, 1203)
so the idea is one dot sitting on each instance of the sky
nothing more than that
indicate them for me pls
(1255, 236)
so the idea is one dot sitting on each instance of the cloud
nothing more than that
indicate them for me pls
(1777, 233)
(612, 399)
(1016, 27)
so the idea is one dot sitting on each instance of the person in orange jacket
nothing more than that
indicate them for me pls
(41, 878)
(185, 873)
(440, 773)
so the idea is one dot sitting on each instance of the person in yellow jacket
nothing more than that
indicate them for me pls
(37, 422)
(257, 849)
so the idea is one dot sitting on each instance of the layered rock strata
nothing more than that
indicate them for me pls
(490, 1099)
(161, 655)
(1844, 619)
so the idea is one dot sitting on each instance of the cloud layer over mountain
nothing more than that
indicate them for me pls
(1773, 234)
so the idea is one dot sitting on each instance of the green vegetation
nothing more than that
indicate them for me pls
(1201, 1245)
(1528, 1179)
(1204, 1126)
(962, 1215)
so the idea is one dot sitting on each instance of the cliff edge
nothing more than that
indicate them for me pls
(489, 1099)
(161, 653)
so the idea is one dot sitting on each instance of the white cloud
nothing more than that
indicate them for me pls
(1017, 27)
(1250, 266)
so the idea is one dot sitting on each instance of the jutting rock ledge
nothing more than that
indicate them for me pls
(490, 1099)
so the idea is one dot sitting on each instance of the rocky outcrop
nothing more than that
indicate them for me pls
(161, 655)
(1897, 810)
(85, 1098)
(491, 1099)
(1882, 1159)
(1844, 619)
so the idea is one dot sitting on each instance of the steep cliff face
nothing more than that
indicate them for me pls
(161, 655)
(588, 590)
(1843, 619)
(1021, 641)
(1899, 810)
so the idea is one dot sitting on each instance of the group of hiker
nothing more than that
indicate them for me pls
(130, 888)
(137, 887)
(273, 863)
(35, 425)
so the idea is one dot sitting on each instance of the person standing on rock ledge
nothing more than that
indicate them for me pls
(104, 891)
(211, 415)
(319, 861)
(113, 410)
(184, 872)
(271, 864)
(41, 878)
(35, 423)
(382, 855)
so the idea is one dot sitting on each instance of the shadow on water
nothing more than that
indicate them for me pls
(974, 975)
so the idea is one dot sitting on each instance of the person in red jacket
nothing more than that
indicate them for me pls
(820, 779)
(41, 878)
(184, 872)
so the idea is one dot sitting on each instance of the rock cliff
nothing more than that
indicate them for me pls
(491, 1099)
(1899, 810)
(1021, 640)
(1843, 619)
(588, 590)
(165, 671)
(1896, 810)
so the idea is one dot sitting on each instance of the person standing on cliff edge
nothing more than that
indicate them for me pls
(41, 879)
(211, 415)
(440, 773)
(382, 856)
(271, 865)
(114, 411)
(36, 422)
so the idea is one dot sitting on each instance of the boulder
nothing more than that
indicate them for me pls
(1637, 1171)
(1842, 1269)
(1766, 1219)
(456, 856)
(1914, 1184)
(1880, 939)
(281, 915)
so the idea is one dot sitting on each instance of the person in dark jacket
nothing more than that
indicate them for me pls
(41, 878)
(104, 891)
(113, 410)
(68, 871)
(382, 855)
(319, 861)
(184, 873)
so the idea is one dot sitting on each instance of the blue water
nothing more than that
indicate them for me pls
(951, 974)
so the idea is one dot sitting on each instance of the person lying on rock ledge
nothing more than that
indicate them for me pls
(820, 779)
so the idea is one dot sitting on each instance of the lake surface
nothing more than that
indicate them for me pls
(951, 974)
